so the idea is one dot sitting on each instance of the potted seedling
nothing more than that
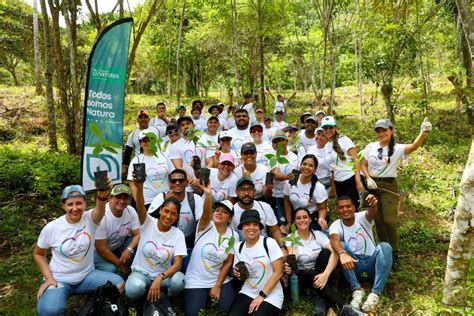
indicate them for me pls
(193, 135)
(153, 145)
(294, 241)
(273, 159)
(101, 176)
(242, 267)
(204, 173)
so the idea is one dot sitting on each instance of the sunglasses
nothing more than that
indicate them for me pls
(177, 180)
(380, 155)
(278, 140)
(256, 130)
(175, 131)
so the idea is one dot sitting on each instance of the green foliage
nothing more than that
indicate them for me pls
(230, 242)
(42, 173)
(294, 239)
(273, 159)
(104, 143)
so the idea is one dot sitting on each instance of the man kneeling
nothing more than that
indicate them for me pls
(351, 237)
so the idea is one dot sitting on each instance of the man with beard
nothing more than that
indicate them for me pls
(241, 132)
(307, 134)
(246, 201)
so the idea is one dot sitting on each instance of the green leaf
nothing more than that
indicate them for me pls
(95, 130)
(272, 163)
(293, 228)
(97, 150)
(269, 156)
(279, 149)
(202, 145)
(113, 145)
(112, 150)
(287, 239)
(219, 240)
(282, 160)
(298, 243)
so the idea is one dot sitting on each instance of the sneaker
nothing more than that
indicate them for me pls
(357, 297)
(371, 303)
(395, 262)
(348, 310)
(319, 306)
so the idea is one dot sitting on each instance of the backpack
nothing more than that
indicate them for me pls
(265, 245)
(191, 202)
(107, 301)
(160, 307)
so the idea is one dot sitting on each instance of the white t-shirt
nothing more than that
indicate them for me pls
(184, 150)
(323, 170)
(307, 254)
(299, 195)
(200, 123)
(279, 186)
(223, 115)
(342, 170)
(280, 106)
(132, 138)
(72, 247)
(156, 121)
(359, 236)
(305, 141)
(157, 249)
(229, 123)
(157, 171)
(381, 167)
(205, 138)
(263, 149)
(250, 107)
(116, 229)
(222, 190)
(268, 133)
(279, 125)
(187, 221)
(267, 215)
(207, 257)
(239, 137)
(259, 264)
(258, 178)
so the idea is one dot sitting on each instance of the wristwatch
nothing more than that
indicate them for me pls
(262, 294)
(132, 251)
(163, 276)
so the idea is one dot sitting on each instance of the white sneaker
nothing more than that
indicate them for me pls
(357, 297)
(371, 303)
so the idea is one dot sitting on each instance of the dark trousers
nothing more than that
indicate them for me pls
(197, 299)
(348, 187)
(306, 280)
(241, 304)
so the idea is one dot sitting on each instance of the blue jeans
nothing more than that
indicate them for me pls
(279, 209)
(376, 266)
(53, 301)
(138, 283)
(104, 265)
(197, 299)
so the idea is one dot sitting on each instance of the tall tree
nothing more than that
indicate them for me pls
(38, 85)
(461, 246)
(48, 76)
(178, 51)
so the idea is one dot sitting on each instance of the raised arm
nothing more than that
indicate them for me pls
(372, 210)
(426, 128)
(137, 192)
(207, 207)
(101, 199)
(291, 97)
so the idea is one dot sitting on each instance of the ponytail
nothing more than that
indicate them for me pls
(314, 180)
(337, 148)
(391, 147)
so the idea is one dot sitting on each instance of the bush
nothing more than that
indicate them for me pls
(40, 172)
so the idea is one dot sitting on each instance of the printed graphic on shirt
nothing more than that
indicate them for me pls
(155, 255)
(118, 235)
(257, 272)
(77, 247)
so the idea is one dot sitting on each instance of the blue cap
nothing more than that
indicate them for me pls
(73, 191)
(328, 121)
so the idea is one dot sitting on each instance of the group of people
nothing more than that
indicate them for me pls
(221, 239)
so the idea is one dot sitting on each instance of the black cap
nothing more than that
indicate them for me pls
(248, 147)
(304, 116)
(244, 180)
(250, 216)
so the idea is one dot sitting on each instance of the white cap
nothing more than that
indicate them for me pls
(143, 134)
(328, 121)
(224, 134)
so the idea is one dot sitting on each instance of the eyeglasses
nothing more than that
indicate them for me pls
(256, 130)
(380, 155)
(278, 140)
(174, 131)
(177, 180)
(248, 189)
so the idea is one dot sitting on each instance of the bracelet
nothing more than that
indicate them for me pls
(102, 199)
(163, 276)
(132, 251)
(262, 294)
(341, 252)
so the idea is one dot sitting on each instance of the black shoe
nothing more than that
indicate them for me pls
(395, 262)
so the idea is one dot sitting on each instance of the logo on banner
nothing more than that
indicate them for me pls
(104, 74)
(105, 161)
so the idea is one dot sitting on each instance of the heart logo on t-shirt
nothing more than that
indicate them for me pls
(257, 272)
(211, 256)
(155, 255)
(157, 176)
(119, 234)
(77, 247)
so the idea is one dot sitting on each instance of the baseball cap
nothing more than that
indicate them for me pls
(248, 147)
(228, 206)
(278, 135)
(227, 157)
(266, 118)
(143, 111)
(185, 118)
(250, 216)
(120, 189)
(143, 134)
(304, 115)
(181, 106)
(312, 118)
(320, 112)
(221, 104)
(279, 111)
(256, 124)
(383, 123)
(244, 180)
(224, 134)
(319, 130)
(290, 128)
(259, 110)
(73, 191)
(328, 121)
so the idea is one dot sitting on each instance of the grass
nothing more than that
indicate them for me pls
(429, 176)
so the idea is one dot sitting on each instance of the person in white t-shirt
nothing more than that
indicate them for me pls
(216, 111)
(157, 169)
(161, 119)
(230, 120)
(172, 135)
(240, 134)
(132, 146)
(279, 123)
(199, 104)
(224, 180)
(249, 107)
(159, 254)
(307, 193)
(315, 261)
(207, 276)
(181, 111)
(280, 102)
(200, 123)
(263, 147)
(261, 293)
(258, 172)
(341, 155)
(210, 138)
(118, 234)
(307, 135)
(352, 238)
(324, 170)
(379, 166)
(268, 130)
(225, 147)
(71, 237)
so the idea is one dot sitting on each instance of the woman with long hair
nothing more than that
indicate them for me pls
(379, 165)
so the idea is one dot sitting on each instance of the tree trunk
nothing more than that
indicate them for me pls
(70, 7)
(387, 90)
(178, 48)
(333, 60)
(120, 3)
(39, 88)
(48, 76)
(235, 47)
(358, 60)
